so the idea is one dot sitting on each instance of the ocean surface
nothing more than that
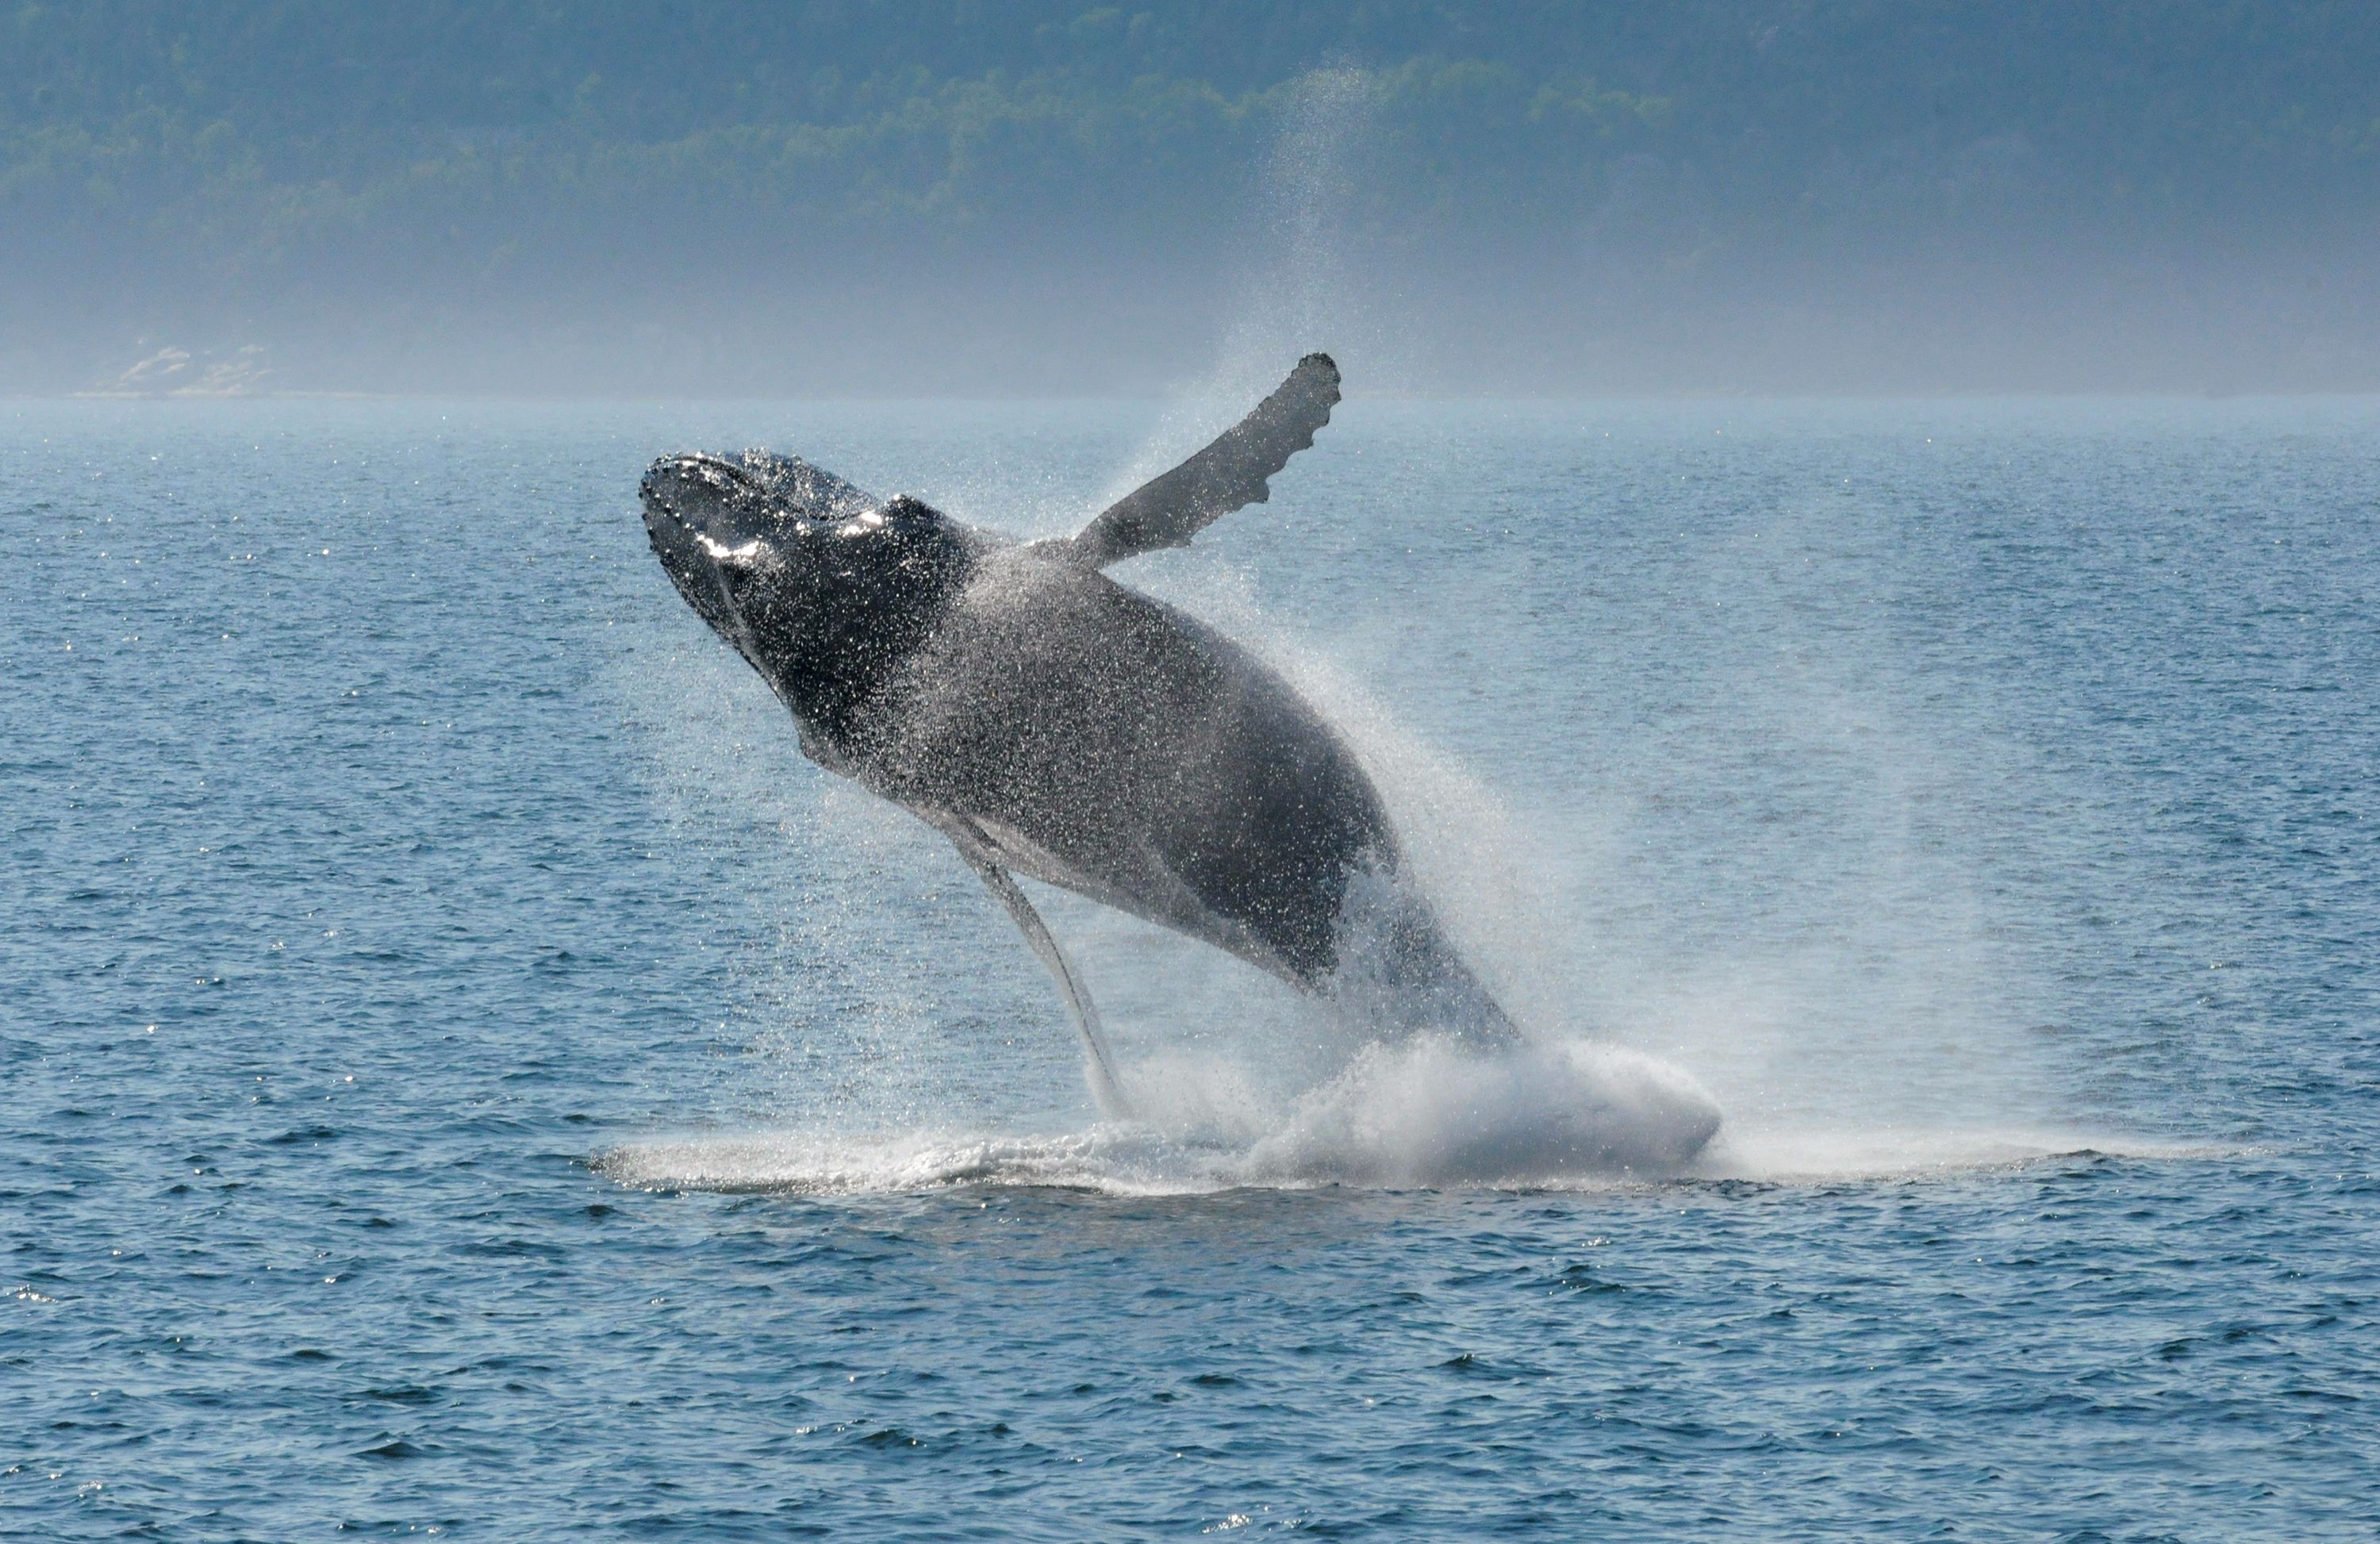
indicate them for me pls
(463, 1073)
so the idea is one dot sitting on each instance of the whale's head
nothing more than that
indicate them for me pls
(822, 589)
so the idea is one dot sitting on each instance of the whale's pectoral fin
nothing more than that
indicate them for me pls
(1097, 1062)
(1227, 475)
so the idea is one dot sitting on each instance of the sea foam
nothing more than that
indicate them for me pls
(1424, 1112)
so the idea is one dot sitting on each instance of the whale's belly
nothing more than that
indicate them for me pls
(1108, 743)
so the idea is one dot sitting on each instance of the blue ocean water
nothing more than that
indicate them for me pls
(465, 1073)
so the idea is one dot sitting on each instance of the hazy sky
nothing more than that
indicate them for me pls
(956, 198)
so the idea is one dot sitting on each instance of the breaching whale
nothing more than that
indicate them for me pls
(1055, 724)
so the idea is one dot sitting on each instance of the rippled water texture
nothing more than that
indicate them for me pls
(463, 1070)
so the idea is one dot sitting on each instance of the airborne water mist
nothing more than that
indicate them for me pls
(1769, 874)
(1053, 723)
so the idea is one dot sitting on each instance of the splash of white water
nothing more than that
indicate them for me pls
(1559, 1111)
(1422, 1115)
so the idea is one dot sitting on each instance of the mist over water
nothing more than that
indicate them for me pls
(1872, 1009)
(1791, 896)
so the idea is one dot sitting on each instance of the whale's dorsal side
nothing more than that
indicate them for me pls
(1228, 474)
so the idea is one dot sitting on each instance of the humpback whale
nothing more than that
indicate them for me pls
(1055, 724)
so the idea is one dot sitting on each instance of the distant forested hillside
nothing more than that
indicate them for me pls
(379, 185)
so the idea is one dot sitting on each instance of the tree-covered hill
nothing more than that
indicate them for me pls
(382, 184)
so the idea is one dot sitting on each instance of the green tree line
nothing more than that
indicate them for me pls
(250, 132)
